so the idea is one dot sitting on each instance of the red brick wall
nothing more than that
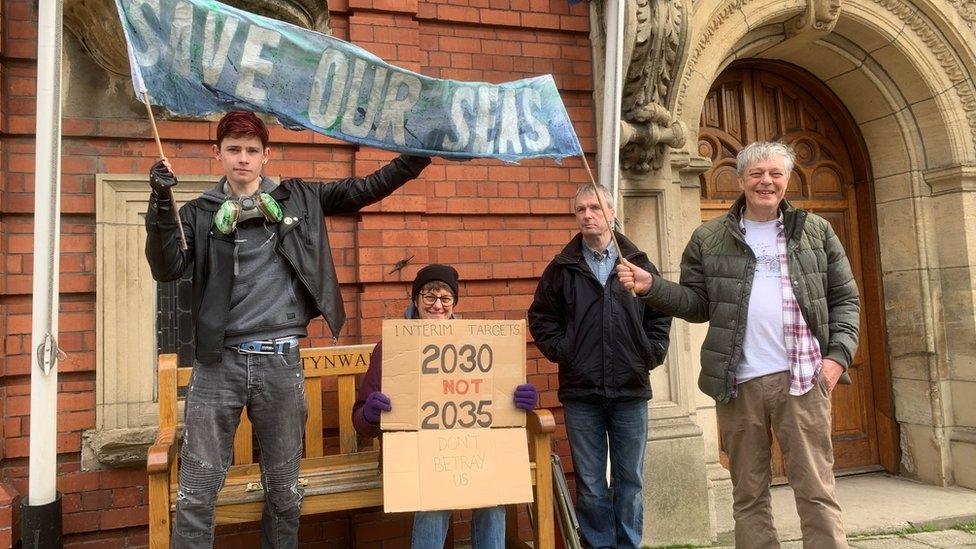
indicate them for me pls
(499, 224)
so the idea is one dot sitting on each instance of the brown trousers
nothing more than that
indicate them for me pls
(802, 425)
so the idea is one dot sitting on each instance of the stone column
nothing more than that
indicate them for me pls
(659, 214)
(688, 169)
(912, 321)
(953, 205)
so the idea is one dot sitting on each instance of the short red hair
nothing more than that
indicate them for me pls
(241, 124)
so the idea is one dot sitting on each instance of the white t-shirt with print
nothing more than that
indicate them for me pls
(764, 347)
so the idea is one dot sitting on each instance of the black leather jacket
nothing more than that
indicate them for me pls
(302, 240)
(604, 340)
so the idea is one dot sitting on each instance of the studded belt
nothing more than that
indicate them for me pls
(266, 346)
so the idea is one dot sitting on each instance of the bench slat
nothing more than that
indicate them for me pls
(347, 397)
(326, 479)
(244, 441)
(337, 461)
(183, 376)
(250, 512)
(336, 361)
(327, 483)
(313, 427)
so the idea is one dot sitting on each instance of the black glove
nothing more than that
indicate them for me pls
(161, 179)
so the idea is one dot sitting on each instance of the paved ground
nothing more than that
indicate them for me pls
(889, 507)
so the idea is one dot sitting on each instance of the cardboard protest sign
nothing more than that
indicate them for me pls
(454, 439)
(452, 373)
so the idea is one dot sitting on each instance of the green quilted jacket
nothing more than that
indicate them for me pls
(717, 268)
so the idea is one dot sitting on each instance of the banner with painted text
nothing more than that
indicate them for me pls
(199, 57)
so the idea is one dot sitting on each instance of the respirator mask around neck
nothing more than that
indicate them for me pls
(235, 210)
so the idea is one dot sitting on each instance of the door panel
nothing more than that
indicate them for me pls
(749, 103)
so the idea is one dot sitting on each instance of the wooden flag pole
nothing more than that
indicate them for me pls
(604, 208)
(159, 145)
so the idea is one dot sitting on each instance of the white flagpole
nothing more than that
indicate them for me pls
(612, 88)
(41, 518)
(610, 119)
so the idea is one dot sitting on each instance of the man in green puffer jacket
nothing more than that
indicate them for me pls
(776, 287)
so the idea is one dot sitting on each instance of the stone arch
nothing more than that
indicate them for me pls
(885, 58)
(904, 71)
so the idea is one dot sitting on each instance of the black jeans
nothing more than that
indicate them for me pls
(272, 387)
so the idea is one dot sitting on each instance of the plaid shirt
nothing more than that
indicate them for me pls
(802, 348)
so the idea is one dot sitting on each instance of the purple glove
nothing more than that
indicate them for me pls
(376, 403)
(526, 397)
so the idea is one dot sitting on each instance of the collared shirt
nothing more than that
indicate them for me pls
(601, 263)
(802, 348)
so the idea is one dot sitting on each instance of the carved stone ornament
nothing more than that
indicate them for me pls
(656, 39)
(819, 18)
(966, 9)
(95, 23)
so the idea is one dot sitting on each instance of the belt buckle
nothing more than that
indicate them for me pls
(285, 345)
(254, 348)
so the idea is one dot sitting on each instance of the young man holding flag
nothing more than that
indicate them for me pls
(262, 269)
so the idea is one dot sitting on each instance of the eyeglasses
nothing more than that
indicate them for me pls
(430, 299)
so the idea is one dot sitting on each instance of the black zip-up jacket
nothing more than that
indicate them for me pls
(302, 240)
(604, 340)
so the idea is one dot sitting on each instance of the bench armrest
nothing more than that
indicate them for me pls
(540, 426)
(540, 421)
(162, 454)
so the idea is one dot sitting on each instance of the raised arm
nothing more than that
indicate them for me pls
(354, 193)
(167, 260)
(687, 300)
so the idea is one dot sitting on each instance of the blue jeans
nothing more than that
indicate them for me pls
(608, 520)
(272, 387)
(487, 528)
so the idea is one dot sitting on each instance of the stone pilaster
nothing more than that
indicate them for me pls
(677, 507)
(125, 320)
(953, 204)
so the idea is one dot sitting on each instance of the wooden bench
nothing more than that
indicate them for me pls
(351, 479)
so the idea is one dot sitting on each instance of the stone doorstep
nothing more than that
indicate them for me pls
(922, 540)
(945, 535)
(887, 542)
(945, 523)
(945, 538)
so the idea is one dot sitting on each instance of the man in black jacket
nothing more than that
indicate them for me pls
(605, 342)
(262, 269)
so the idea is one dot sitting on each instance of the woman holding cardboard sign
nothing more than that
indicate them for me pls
(434, 294)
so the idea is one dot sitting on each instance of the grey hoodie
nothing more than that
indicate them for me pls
(267, 300)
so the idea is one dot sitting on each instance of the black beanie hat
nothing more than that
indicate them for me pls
(435, 271)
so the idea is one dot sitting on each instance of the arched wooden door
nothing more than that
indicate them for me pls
(772, 101)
